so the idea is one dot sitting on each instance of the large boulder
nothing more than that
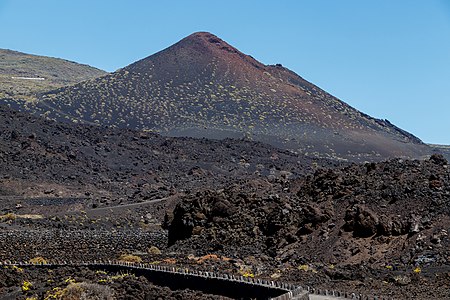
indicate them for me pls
(362, 221)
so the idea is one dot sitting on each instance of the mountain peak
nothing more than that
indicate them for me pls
(203, 36)
(204, 87)
(196, 53)
(207, 40)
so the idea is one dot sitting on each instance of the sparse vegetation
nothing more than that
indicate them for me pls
(24, 76)
(154, 250)
(38, 260)
(8, 217)
(276, 109)
(81, 291)
(247, 273)
(130, 258)
(26, 286)
(18, 269)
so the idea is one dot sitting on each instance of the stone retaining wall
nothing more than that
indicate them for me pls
(26, 244)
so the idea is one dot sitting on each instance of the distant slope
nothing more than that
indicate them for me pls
(443, 149)
(203, 87)
(44, 159)
(24, 75)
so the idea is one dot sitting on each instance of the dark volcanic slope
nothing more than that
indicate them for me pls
(23, 75)
(202, 86)
(443, 149)
(50, 161)
(393, 212)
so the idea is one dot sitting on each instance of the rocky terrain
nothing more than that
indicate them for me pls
(87, 192)
(85, 283)
(45, 165)
(358, 214)
(361, 228)
(24, 76)
(132, 174)
(233, 206)
(204, 87)
(378, 222)
(442, 149)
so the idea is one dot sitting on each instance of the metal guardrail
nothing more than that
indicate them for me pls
(291, 291)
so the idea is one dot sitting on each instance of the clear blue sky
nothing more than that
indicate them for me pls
(390, 59)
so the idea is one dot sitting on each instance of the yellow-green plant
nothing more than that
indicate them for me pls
(248, 274)
(37, 260)
(16, 268)
(8, 217)
(303, 268)
(130, 258)
(69, 280)
(26, 286)
(120, 276)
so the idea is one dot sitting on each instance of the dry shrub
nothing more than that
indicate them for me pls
(154, 250)
(38, 260)
(9, 217)
(130, 258)
(87, 291)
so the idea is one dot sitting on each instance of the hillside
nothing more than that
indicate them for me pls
(204, 87)
(77, 192)
(90, 166)
(381, 227)
(443, 149)
(22, 75)
(345, 215)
